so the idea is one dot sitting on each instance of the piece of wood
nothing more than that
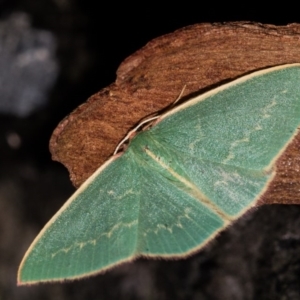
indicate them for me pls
(200, 57)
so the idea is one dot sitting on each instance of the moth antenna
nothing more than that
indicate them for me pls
(129, 134)
(180, 95)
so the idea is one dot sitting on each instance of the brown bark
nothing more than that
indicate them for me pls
(200, 56)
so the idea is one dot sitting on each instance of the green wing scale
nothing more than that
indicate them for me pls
(178, 184)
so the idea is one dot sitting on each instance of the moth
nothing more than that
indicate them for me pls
(179, 183)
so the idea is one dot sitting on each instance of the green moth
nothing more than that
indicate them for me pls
(181, 181)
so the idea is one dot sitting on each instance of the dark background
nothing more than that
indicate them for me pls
(58, 53)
